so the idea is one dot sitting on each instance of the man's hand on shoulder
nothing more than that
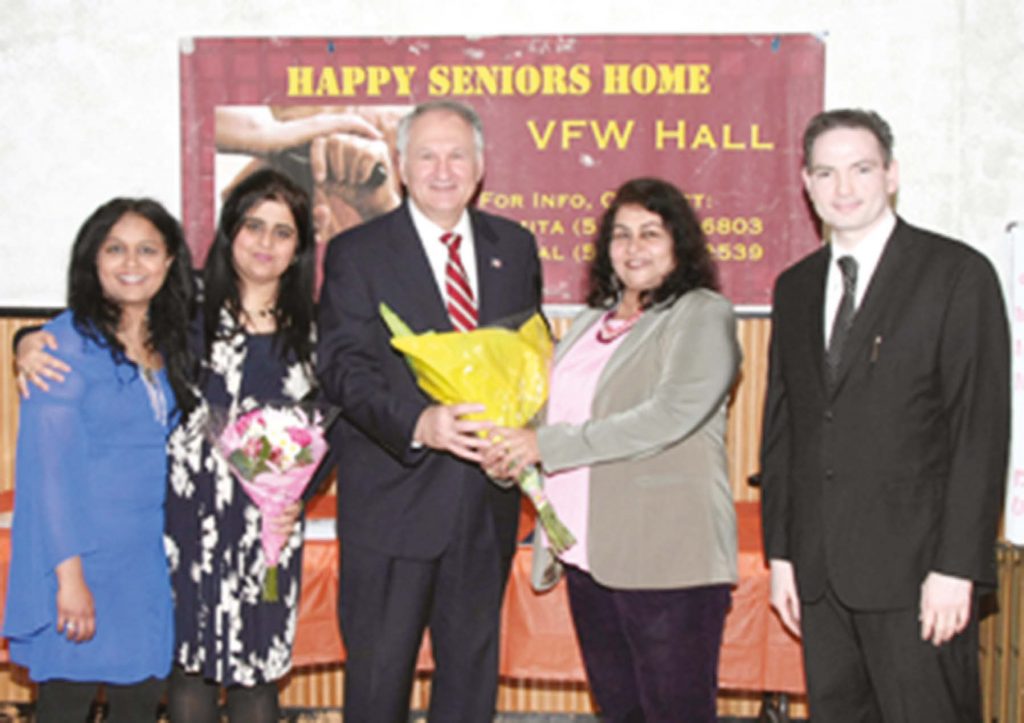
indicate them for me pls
(784, 597)
(945, 607)
(443, 428)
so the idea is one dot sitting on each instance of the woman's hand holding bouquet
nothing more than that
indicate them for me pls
(273, 452)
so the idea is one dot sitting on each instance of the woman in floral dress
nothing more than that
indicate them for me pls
(255, 342)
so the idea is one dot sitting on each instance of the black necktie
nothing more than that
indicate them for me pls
(844, 316)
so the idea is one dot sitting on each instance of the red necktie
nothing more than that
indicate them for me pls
(458, 293)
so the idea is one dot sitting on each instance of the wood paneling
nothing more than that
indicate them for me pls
(321, 687)
(15, 687)
(1002, 638)
(9, 398)
(744, 433)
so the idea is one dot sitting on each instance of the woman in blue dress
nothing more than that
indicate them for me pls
(256, 347)
(89, 599)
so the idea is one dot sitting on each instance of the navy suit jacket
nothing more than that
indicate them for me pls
(391, 497)
(898, 468)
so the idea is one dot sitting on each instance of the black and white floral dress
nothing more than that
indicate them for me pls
(224, 630)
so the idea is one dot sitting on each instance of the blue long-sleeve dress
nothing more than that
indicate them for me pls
(90, 481)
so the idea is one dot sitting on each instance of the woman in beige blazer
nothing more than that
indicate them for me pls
(634, 457)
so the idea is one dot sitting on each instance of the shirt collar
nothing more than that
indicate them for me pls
(868, 252)
(430, 231)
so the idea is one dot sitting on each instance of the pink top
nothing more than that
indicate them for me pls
(573, 381)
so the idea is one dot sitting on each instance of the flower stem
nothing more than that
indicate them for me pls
(270, 585)
(557, 533)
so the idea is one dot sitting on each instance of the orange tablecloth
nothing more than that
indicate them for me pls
(538, 642)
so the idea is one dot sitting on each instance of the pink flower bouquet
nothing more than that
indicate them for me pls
(273, 452)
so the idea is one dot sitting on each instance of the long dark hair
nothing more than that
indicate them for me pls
(293, 309)
(695, 269)
(170, 310)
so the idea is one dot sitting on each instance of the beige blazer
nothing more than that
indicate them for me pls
(661, 509)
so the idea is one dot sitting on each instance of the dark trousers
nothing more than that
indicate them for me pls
(65, 701)
(193, 699)
(651, 655)
(386, 602)
(873, 666)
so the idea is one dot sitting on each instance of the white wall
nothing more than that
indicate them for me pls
(89, 95)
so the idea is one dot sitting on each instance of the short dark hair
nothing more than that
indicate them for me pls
(694, 268)
(849, 118)
(294, 306)
(443, 105)
(97, 318)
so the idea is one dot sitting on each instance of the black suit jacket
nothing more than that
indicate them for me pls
(899, 468)
(391, 497)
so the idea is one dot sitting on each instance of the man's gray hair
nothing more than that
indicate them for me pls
(462, 110)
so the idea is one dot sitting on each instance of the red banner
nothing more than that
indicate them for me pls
(567, 120)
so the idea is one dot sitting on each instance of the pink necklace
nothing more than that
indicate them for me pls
(612, 328)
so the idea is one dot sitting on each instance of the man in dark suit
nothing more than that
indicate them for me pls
(885, 444)
(426, 538)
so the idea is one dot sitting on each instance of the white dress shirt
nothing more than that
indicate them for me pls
(437, 253)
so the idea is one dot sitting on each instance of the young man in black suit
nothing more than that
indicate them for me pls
(885, 443)
(426, 538)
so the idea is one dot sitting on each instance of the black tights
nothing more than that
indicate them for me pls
(63, 701)
(193, 699)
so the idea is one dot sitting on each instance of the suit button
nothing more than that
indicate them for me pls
(829, 473)
(828, 415)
